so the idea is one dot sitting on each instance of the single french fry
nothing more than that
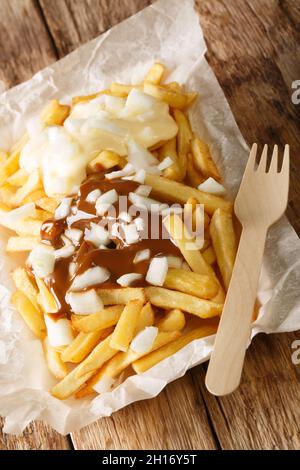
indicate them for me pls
(121, 90)
(48, 204)
(32, 184)
(105, 160)
(193, 176)
(18, 178)
(10, 166)
(203, 159)
(209, 255)
(155, 74)
(55, 113)
(168, 149)
(125, 328)
(45, 298)
(224, 243)
(200, 285)
(174, 320)
(185, 133)
(83, 344)
(34, 196)
(178, 192)
(53, 358)
(121, 296)
(24, 284)
(100, 354)
(169, 299)
(7, 194)
(170, 96)
(109, 316)
(146, 318)
(32, 317)
(150, 360)
(122, 360)
(77, 377)
(85, 98)
(16, 244)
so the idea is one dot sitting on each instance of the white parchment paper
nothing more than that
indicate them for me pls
(168, 31)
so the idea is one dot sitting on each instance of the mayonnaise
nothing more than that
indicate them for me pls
(62, 153)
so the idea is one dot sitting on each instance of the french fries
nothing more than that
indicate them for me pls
(178, 192)
(83, 344)
(98, 321)
(203, 160)
(55, 113)
(17, 244)
(126, 326)
(174, 320)
(224, 243)
(150, 360)
(169, 299)
(32, 316)
(53, 358)
(111, 327)
(155, 74)
(200, 285)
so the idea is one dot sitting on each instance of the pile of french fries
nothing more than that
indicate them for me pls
(189, 303)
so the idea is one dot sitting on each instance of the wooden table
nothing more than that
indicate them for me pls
(252, 48)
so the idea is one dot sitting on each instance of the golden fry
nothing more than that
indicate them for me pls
(31, 316)
(200, 285)
(203, 159)
(55, 113)
(121, 296)
(25, 285)
(109, 316)
(53, 358)
(155, 74)
(126, 326)
(174, 320)
(83, 344)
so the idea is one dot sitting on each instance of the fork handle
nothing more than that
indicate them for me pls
(226, 363)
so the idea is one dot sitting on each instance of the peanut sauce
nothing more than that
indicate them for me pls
(117, 257)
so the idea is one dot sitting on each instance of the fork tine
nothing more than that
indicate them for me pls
(251, 160)
(262, 166)
(285, 168)
(274, 161)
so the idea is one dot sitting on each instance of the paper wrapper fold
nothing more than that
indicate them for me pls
(167, 31)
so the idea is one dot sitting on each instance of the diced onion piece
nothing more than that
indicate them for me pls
(74, 234)
(59, 331)
(143, 190)
(138, 102)
(126, 171)
(115, 230)
(93, 196)
(131, 234)
(97, 235)
(80, 215)
(141, 255)
(139, 176)
(144, 340)
(90, 277)
(105, 201)
(64, 252)
(157, 271)
(72, 269)
(84, 303)
(212, 186)
(125, 217)
(22, 212)
(105, 384)
(42, 260)
(139, 223)
(145, 202)
(63, 210)
(141, 158)
(165, 163)
(174, 262)
(128, 279)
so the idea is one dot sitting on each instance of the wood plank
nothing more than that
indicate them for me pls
(176, 419)
(264, 413)
(252, 48)
(26, 47)
(85, 19)
(37, 436)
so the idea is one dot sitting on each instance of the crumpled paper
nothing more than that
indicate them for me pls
(167, 31)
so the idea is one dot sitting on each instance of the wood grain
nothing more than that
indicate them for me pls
(25, 43)
(37, 436)
(252, 48)
(73, 22)
(176, 419)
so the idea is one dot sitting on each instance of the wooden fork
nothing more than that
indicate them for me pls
(261, 201)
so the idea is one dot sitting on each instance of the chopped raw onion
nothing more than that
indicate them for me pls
(105, 384)
(90, 277)
(97, 235)
(213, 187)
(74, 234)
(63, 210)
(128, 279)
(64, 252)
(157, 271)
(142, 255)
(143, 342)
(80, 215)
(42, 260)
(126, 171)
(143, 190)
(165, 163)
(84, 303)
(59, 331)
(93, 196)
(131, 234)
